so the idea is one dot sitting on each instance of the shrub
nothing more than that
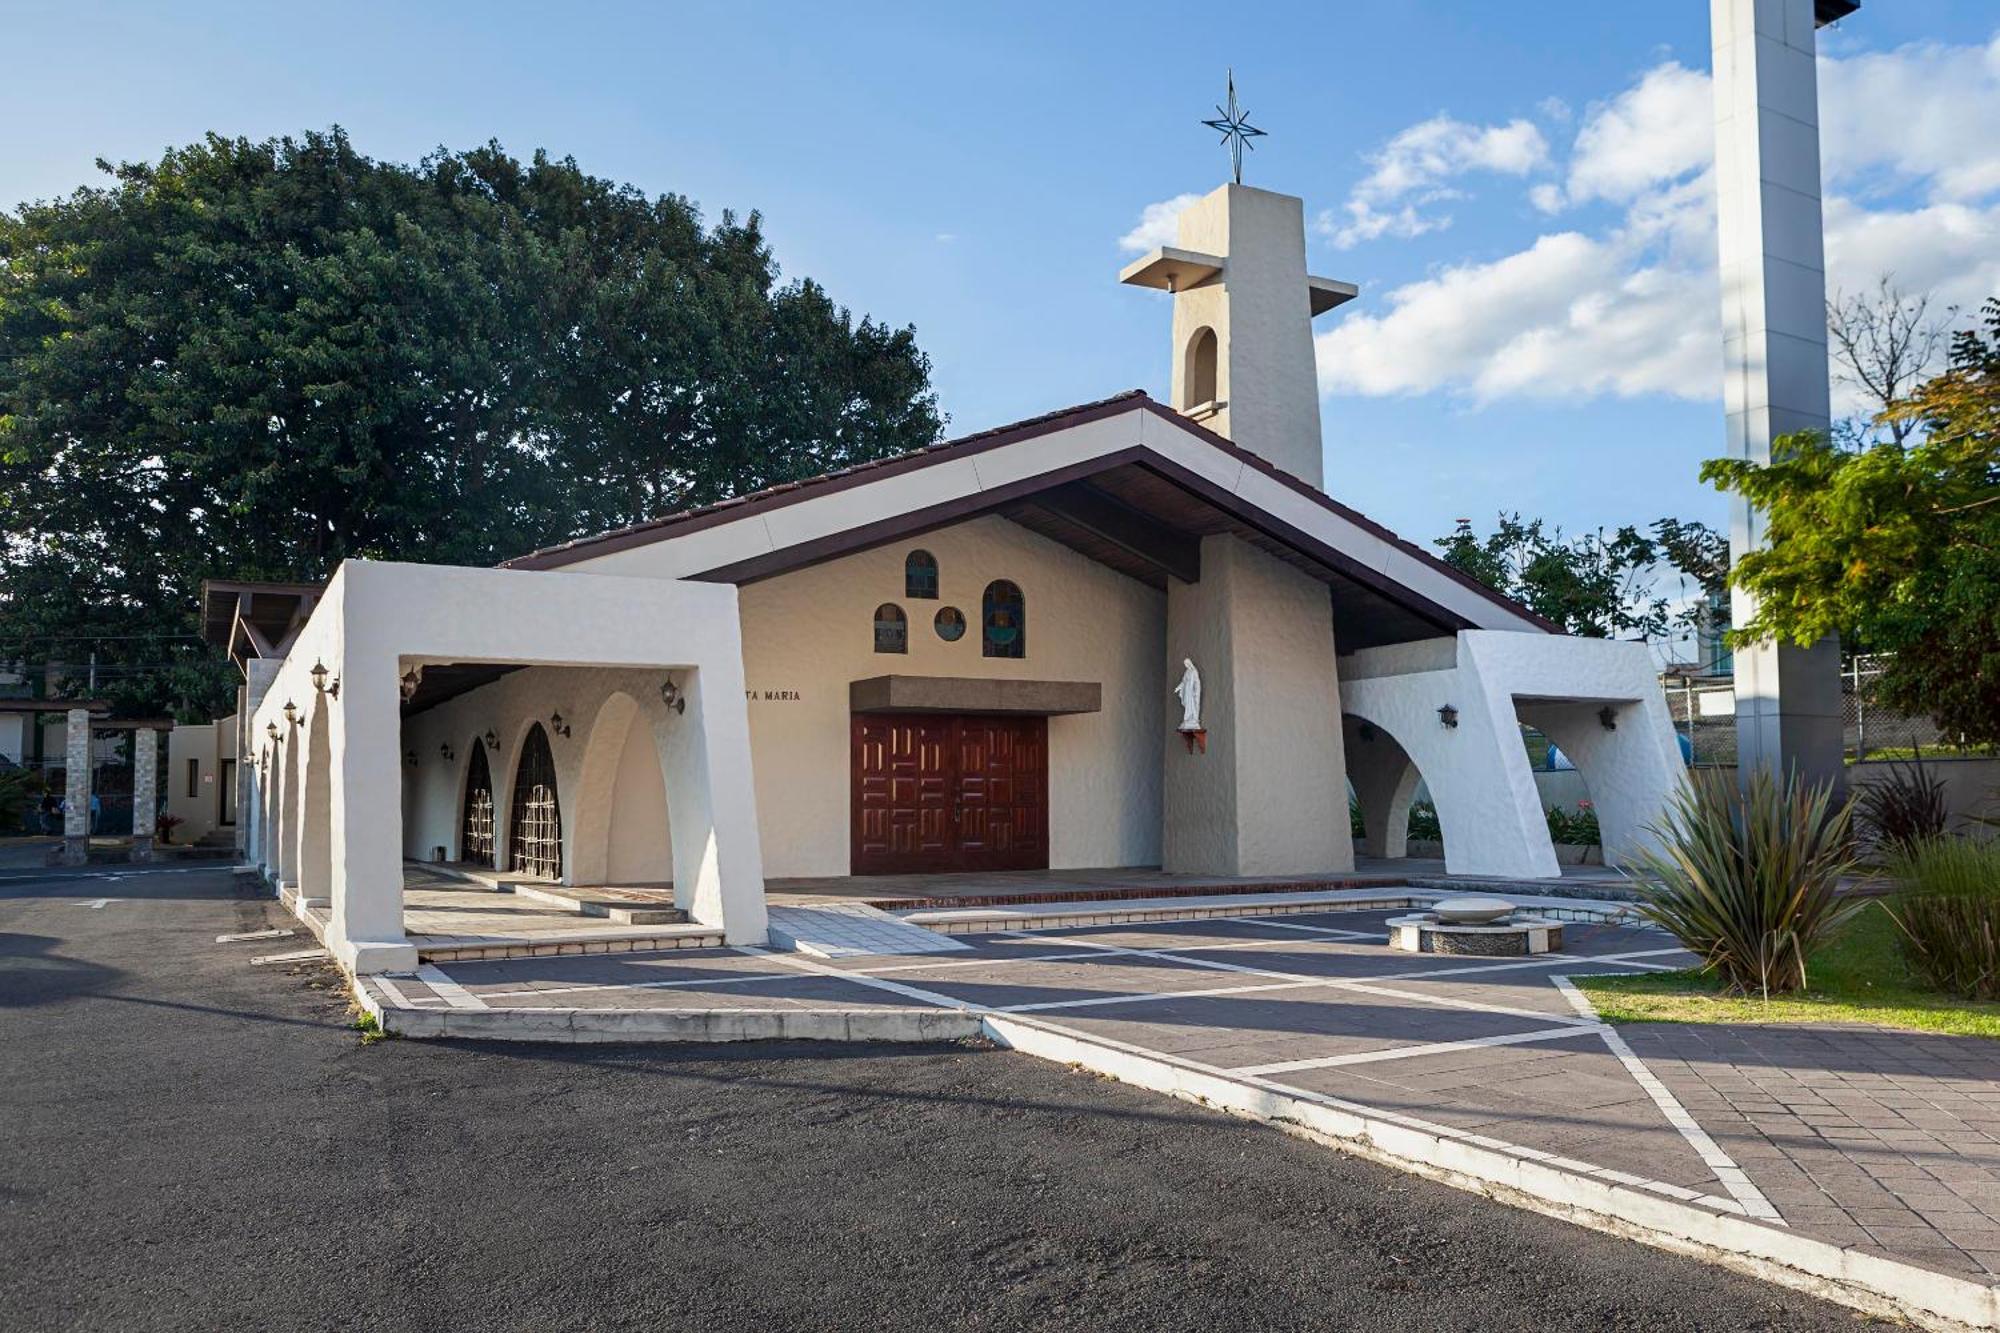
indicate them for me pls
(1947, 903)
(1903, 809)
(164, 826)
(18, 788)
(1424, 826)
(1578, 829)
(1354, 821)
(1746, 880)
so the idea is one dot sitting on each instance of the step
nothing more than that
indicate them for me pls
(565, 944)
(631, 907)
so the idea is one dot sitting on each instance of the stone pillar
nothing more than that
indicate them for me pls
(1269, 797)
(76, 790)
(145, 788)
(1773, 270)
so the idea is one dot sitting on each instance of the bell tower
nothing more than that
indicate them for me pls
(1242, 333)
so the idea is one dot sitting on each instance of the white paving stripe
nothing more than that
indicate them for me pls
(1362, 987)
(1727, 1205)
(1142, 997)
(1413, 1052)
(1732, 1176)
(453, 994)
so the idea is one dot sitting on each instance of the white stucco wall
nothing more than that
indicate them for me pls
(1269, 797)
(807, 634)
(625, 781)
(197, 810)
(377, 619)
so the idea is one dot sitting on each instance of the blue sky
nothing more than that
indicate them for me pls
(1518, 188)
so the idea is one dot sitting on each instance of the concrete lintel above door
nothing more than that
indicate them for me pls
(967, 694)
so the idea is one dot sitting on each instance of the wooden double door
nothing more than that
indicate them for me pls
(942, 792)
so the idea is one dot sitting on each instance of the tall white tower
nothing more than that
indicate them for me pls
(1773, 265)
(1243, 311)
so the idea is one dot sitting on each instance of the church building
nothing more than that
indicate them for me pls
(1122, 634)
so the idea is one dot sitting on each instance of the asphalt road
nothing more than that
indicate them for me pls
(193, 1143)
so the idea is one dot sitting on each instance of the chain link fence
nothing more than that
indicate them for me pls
(1704, 711)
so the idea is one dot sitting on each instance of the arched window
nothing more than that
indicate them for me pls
(475, 835)
(920, 575)
(1003, 621)
(1198, 382)
(536, 828)
(892, 631)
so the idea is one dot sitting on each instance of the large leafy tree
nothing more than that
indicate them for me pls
(1598, 585)
(1897, 545)
(257, 359)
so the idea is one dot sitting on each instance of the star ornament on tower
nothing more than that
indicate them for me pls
(1237, 131)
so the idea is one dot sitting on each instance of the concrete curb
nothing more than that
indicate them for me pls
(673, 1025)
(1819, 1268)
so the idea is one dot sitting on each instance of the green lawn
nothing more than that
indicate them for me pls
(1858, 977)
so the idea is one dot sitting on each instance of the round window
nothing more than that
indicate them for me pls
(950, 624)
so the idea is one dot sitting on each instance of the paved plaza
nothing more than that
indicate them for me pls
(1885, 1142)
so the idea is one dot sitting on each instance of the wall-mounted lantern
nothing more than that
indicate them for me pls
(1448, 715)
(411, 679)
(444, 752)
(271, 730)
(556, 723)
(1607, 717)
(1366, 731)
(319, 674)
(492, 741)
(671, 696)
(291, 712)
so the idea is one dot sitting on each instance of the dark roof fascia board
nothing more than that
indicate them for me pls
(695, 520)
(763, 502)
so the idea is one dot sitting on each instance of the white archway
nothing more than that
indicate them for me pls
(1385, 781)
(315, 870)
(285, 864)
(618, 831)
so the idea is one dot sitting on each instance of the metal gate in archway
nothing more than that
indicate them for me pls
(476, 823)
(535, 841)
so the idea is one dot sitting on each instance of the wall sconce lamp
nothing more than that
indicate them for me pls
(333, 689)
(1607, 717)
(291, 712)
(557, 725)
(271, 730)
(492, 741)
(444, 751)
(318, 674)
(411, 679)
(1448, 715)
(671, 696)
(1365, 731)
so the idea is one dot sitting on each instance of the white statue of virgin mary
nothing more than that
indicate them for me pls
(1189, 693)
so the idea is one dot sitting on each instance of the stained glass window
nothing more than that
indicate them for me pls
(892, 631)
(1004, 621)
(950, 623)
(920, 575)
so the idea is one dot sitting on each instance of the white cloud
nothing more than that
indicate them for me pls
(1157, 225)
(1660, 129)
(1632, 306)
(1410, 170)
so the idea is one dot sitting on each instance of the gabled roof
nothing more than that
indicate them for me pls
(1168, 477)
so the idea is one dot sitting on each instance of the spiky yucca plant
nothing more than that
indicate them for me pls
(1947, 904)
(1746, 880)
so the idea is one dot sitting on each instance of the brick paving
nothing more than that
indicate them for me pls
(1885, 1141)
